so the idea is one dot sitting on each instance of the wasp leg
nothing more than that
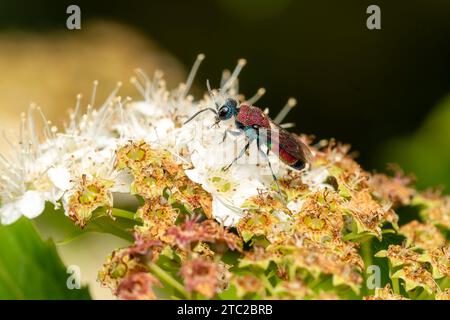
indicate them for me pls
(239, 155)
(233, 133)
(266, 156)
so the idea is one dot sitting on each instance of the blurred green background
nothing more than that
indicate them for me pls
(384, 91)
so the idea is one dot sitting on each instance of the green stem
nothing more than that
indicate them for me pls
(395, 286)
(366, 252)
(395, 282)
(124, 214)
(423, 295)
(164, 276)
(267, 285)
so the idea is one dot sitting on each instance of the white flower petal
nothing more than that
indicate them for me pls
(226, 213)
(195, 175)
(147, 108)
(60, 177)
(31, 204)
(9, 213)
(122, 182)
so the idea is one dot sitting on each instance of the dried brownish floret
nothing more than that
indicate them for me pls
(396, 189)
(150, 183)
(156, 171)
(201, 275)
(203, 249)
(119, 265)
(246, 284)
(349, 174)
(259, 257)
(223, 276)
(192, 195)
(138, 286)
(319, 260)
(137, 156)
(264, 201)
(320, 217)
(292, 290)
(414, 269)
(257, 223)
(292, 185)
(416, 275)
(90, 194)
(422, 235)
(440, 214)
(368, 214)
(385, 294)
(145, 246)
(399, 255)
(439, 259)
(192, 231)
(443, 295)
(265, 216)
(153, 170)
(434, 208)
(348, 253)
(157, 218)
(225, 237)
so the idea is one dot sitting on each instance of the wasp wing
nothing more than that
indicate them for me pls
(286, 144)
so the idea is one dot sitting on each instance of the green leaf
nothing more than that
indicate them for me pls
(30, 268)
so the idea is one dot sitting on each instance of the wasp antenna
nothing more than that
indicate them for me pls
(241, 63)
(257, 96)
(211, 94)
(199, 112)
(292, 102)
(192, 73)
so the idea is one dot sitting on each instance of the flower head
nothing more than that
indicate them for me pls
(201, 275)
(138, 286)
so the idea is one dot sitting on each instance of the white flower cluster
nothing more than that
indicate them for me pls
(46, 164)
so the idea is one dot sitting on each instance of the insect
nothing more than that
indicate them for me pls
(256, 125)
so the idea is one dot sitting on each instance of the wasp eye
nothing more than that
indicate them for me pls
(223, 112)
